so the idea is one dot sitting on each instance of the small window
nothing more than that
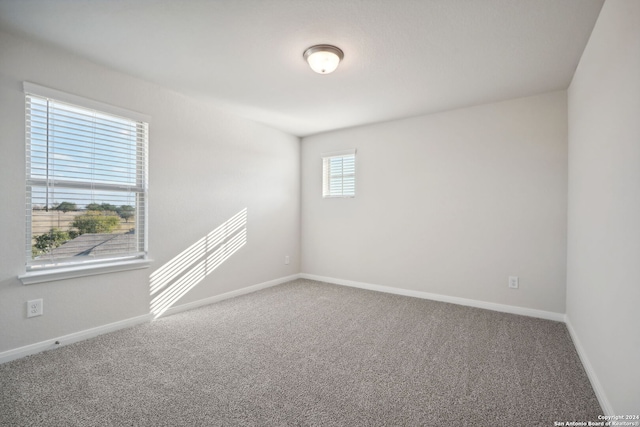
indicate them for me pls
(339, 174)
(86, 182)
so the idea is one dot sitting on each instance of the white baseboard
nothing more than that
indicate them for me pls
(50, 344)
(27, 350)
(593, 378)
(227, 295)
(549, 315)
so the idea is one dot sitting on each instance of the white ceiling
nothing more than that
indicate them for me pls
(402, 57)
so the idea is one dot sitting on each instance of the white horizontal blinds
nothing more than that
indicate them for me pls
(339, 174)
(86, 183)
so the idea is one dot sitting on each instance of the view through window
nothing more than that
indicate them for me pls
(86, 185)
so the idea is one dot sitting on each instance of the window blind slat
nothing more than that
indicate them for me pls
(338, 171)
(86, 184)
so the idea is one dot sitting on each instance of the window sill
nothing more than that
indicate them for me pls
(51, 275)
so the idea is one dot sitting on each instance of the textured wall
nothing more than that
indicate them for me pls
(450, 203)
(205, 166)
(603, 261)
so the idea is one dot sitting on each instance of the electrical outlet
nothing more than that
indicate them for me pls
(513, 282)
(286, 259)
(34, 308)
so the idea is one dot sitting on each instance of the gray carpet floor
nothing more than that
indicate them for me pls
(309, 354)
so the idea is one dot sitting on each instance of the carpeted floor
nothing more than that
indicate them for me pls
(309, 354)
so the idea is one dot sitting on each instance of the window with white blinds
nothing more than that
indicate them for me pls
(86, 181)
(339, 174)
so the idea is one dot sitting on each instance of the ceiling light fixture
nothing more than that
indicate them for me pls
(323, 58)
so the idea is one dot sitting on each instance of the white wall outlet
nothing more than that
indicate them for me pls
(286, 259)
(34, 308)
(513, 282)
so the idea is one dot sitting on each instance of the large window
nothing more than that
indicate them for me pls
(339, 174)
(86, 183)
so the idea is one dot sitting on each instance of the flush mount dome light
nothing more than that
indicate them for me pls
(323, 58)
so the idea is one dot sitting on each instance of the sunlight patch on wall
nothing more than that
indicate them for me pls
(178, 276)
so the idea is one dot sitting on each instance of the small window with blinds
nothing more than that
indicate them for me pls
(339, 174)
(86, 182)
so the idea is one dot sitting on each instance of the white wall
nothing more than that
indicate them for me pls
(205, 166)
(603, 266)
(450, 203)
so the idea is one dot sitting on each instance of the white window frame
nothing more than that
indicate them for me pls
(347, 179)
(46, 272)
